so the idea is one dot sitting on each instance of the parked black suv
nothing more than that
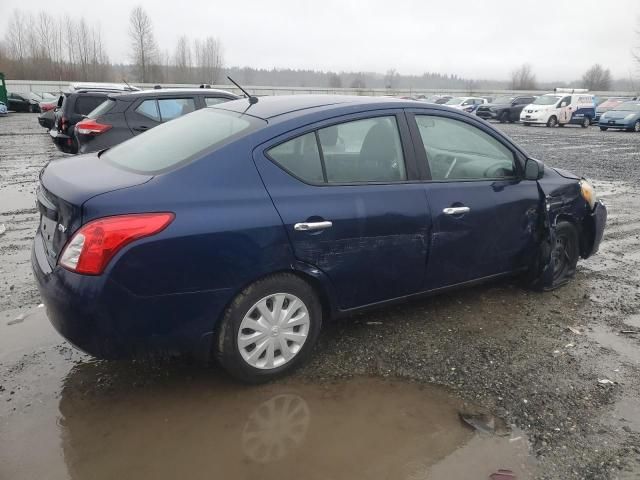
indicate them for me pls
(121, 116)
(505, 109)
(74, 104)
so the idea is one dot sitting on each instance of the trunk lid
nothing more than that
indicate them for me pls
(65, 185)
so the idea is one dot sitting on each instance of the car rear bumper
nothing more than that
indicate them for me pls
(105, 320)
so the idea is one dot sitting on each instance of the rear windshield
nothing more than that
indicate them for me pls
(170, 144)
(101, 109)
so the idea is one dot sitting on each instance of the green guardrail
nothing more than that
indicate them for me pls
(3, 89)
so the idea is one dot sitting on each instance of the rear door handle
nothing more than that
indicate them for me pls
(456, 210)
(309, 226)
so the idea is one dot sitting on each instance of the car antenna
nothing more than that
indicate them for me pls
(252, 100)
(127, 84)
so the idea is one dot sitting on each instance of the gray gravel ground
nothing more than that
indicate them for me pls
(499, 346)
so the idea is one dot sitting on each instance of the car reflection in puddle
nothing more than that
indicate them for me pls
(201, 427)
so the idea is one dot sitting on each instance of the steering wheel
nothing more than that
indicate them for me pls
(496, 170)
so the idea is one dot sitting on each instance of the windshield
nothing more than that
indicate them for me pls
(455, 101)
(180, 140)
(628, 107)
(546, 100)
(503, 100)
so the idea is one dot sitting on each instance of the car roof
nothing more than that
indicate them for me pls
(83, 86)
(162, 92)
(277, 105)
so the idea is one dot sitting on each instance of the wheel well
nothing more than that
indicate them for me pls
(584, 237)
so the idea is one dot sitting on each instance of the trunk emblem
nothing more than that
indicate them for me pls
(62, 228)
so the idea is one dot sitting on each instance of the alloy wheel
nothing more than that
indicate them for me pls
(636, 126)
(273, 331)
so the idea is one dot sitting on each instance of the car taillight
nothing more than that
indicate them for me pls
(94, 245)
(63, 124)
(91, 127)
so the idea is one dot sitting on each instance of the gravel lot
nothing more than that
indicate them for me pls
(498, 347)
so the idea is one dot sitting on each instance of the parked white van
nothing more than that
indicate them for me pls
(562, 107)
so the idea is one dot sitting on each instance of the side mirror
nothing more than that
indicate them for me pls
(533, 169)
(563, 104)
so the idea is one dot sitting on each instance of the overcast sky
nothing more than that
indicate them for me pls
(480, 39)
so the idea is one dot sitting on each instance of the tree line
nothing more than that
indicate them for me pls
(46, 47)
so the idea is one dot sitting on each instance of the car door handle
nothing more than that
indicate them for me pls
(456, 210)
(309, 226)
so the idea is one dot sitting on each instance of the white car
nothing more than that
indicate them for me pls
(560, 109)
(467, 104)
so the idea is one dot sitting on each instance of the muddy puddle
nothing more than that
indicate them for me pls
(78, 419)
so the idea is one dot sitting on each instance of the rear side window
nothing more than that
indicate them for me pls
(86, 103)
(210, 101)
(171, 144)
(171, 108)
(361, 151)
(300, 157)
(103, 108)
(149, 109)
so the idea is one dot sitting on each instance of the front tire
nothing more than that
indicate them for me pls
(565, 253)
(636, 126)
(552, 122)
(586, 122)
(604, 129)
(504, 117)
(269, 329)
(526, 124)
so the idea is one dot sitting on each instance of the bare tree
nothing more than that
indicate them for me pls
(16, 39)
(597, 78)
(390, 78)
(182, 60)
(334, 80)
(523, 78)
(209, 60)
(636, 51)
(359, 81)
(143, 43)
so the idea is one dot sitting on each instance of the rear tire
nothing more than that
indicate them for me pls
(504, 117)
(552, 122)
(636, 126)
(586, 122)
(262, 312)
(604, 129)
(526, 124)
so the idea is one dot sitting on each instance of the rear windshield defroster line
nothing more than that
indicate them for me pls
(177, 142)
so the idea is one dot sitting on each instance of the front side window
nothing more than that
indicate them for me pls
(171, 108)
(459, 151)
(171, 144)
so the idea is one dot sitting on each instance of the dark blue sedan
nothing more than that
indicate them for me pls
(236, 230)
